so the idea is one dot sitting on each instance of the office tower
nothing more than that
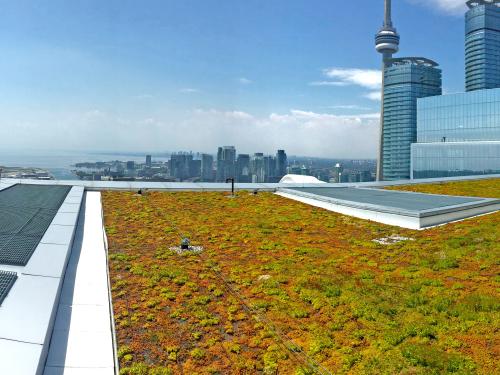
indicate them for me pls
(365, 176)
(194, 168)
(257, 167)
(148, 161)
(353, 176)
(458, 135)
(180, 166)
(294, 168)
(269, 169)
(281, 163)
(130, 165)
(243, 168)
(482, 45)
(405, 80)
(337, 172)
(226, 163)
(207, 168)
(386, 43)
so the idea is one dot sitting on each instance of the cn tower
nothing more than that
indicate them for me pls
(386, 43)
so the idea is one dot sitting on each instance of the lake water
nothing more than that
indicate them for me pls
(60, 164)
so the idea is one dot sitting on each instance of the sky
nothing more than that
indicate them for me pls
(170, 75)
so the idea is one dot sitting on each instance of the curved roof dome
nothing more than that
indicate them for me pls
(299, 179)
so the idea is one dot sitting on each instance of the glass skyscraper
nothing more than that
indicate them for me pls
(482, 45)
(405, 80)
(458, 135)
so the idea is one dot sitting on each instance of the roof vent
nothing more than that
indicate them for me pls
(185, 244)
(186, 247)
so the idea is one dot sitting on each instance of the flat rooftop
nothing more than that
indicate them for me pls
(386, 198)
(405, 209)
(274, 284)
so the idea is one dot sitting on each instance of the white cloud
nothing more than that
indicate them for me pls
(452, 7)
(368, 78)
(189, 90)
(297, 131)
(244, 81)
(328, 83)
(374, 95)
(349, 106)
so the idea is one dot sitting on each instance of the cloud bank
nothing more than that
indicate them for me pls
(367, 78)
(298, 132)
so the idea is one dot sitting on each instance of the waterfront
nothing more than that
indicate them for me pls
(60, 164)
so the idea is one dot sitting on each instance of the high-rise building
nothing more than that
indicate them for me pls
(226, 163)
(131, 165)
(148, 161)
(180, 166)
(482, 45)
(194, 168)
(269, 168)
(337, 172)
(207, 168)
(281, 163)
(257, 167)
(243, 173)
(386, 43)
(458, 135)
(405, 80)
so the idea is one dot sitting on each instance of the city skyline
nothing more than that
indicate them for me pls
(87, 81)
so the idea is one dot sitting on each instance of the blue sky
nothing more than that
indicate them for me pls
(191, 75)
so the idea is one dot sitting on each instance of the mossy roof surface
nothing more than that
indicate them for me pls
(282, 286)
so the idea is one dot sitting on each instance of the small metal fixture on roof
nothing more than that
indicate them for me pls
(142, 191)
(186, 247)
(231, 180)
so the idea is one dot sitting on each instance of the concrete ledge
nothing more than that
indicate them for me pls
(82, 340)
(215, 186)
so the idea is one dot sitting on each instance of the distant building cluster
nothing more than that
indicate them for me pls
(249, 168)
(425, 134)
(227, 164)
(186, 166)
(342, 175)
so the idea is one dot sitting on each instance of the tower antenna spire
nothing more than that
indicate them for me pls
(388, 15)
(386, 43)
(387, 39)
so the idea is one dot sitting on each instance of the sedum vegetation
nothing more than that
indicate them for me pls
(286, 288)
(487, 188)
